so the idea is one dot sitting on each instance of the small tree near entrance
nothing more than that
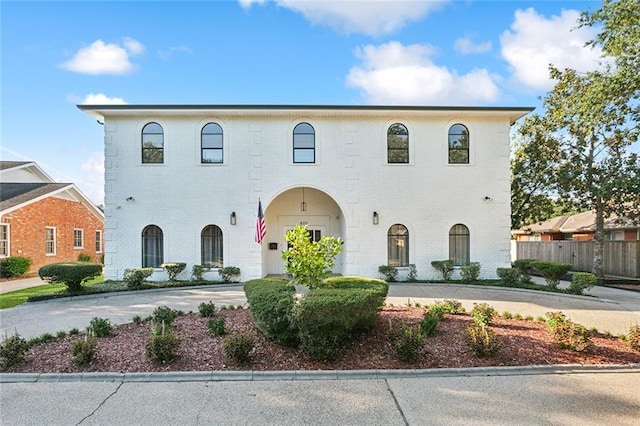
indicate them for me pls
(307, 261)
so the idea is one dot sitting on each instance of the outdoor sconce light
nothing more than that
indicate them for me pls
(376, 218)
(232, 218)
(130, 199)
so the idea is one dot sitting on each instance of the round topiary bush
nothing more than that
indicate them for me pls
(72, 274)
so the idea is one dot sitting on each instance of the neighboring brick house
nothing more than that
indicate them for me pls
(578, 227)
(400, 185)
(44, 220)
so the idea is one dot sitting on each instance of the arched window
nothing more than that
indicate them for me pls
(152, 143)
(211, 247)
(398, 246)
(397, 144)
(211, 144)
(459, 244)
(458, 144)
(152, 247)
(304, 144)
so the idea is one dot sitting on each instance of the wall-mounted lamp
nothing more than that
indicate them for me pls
(303, 204)
(487, 198)
(376, 218)
(130, 199)
(232, 218)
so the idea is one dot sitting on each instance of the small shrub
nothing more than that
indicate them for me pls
(388, 272)
(207, 309)
(164, 315)
(163, 345)
(528, 318)
(452, 307)
(507, 315)
(217, 326)
(72, 274)
(228, 273)
(445, 267)
(197, 272)
(554, 319)
(137, 319)
(482, 340)
(135, 277)
(13, 349)
(470, 272)
(84, 350)
(572, 336)
(581, 281)
(14, 266)
(60, 334)
(84, 257)
(483, 313)
(429, 324)
(552, 271)
(74, 331)
(173, 269)
(238, 346)
(413, 273)
(633, 337)
(43, 338)
(407, 342)
(524, 265)
(510, 276)
(99, 327)
(517, 316)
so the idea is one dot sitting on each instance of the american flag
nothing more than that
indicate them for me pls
(261, 228)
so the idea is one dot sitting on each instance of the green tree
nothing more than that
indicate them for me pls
(591, 121)
(307, 261)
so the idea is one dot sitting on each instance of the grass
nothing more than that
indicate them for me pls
(18, 297)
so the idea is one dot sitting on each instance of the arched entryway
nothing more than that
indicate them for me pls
(300, 205)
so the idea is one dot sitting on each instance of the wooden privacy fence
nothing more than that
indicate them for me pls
(620, 258)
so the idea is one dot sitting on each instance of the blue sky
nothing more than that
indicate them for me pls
(458, 52)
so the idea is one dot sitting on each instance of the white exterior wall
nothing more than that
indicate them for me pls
(349, 181)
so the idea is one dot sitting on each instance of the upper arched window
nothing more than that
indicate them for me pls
(211, 144)
(152, 247)
(458, 144)
(397, 144)
(398, 245)
(459, 244)
(211, 247)
(152, 143)
(304, 144)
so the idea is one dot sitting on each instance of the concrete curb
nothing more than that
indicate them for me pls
(302, 375)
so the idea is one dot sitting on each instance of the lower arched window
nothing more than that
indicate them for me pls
(459, 244)
(398, 246)
(152, 247)
(211, 247)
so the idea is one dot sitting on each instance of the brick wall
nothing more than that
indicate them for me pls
(27, 230)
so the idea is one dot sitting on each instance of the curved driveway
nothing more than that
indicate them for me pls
(610, 310)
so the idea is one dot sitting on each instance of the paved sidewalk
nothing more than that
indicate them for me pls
(13, 285)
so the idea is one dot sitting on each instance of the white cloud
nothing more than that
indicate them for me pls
(166, 54)
(101, 99)
(369, 17)
(92, 177)
(246, 4)
(105, 58)
(396, 74)
(534, 42)
(466, 45)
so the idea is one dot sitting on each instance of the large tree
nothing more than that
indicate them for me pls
(582, 141)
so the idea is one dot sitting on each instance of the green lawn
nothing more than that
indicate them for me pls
(18, 297)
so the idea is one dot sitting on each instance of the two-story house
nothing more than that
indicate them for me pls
(400, 185)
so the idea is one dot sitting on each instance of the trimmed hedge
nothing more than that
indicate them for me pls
(271, 302)
(324, 319)
(72, 274)
(14, 266)
(341, 307)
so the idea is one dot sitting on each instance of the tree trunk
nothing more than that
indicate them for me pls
(598, 243)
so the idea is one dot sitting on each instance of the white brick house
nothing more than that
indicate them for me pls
(400, 185)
